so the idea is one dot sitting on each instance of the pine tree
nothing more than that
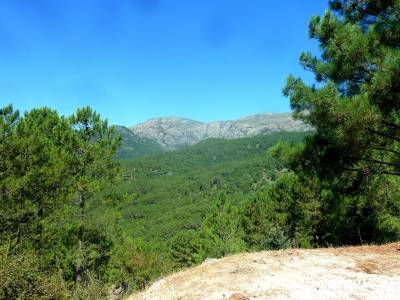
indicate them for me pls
(221, 231)
(8, 148)
(186, 249)
(256, 220)
(33, 180)
(354, 107)
(355, 104)
(92, 147)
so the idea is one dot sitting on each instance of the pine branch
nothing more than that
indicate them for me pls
(386, 150)
(384, 134)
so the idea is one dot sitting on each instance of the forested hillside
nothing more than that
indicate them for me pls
(164, 194)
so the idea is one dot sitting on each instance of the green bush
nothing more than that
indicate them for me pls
(186, 249)
(21, 277)
(134, 264)
(221, 232)
(276, 239)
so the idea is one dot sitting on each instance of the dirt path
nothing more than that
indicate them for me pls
(368, 272)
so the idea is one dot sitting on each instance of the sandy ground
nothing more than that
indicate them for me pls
(367, 272)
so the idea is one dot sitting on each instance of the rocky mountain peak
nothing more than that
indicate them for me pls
(174, 133)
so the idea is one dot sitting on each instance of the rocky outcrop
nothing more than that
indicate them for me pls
(174, 133)
(368, 272)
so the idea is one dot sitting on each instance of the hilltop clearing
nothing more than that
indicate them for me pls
(366, 272)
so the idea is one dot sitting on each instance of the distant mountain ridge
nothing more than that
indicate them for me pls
(175, 133)
(134, 145)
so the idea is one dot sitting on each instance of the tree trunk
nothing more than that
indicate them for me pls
(79, 260)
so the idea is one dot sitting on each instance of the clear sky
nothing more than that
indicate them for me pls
(132, 60)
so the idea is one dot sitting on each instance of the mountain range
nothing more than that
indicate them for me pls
(172, 133)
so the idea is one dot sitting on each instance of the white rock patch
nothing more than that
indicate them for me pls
(368, 272)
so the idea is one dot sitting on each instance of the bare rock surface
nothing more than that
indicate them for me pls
(174, 133)
(366, 272)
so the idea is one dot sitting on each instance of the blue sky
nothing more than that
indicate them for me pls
(132, 60)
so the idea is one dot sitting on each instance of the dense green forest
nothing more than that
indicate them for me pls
(80, 215)
(161, 195)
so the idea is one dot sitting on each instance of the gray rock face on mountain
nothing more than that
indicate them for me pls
(174, 133)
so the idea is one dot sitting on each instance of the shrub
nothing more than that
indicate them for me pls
(22, 278)
(186, 249)
(276, 239)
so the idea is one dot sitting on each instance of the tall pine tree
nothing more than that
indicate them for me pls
(355, 104)
(93, 146)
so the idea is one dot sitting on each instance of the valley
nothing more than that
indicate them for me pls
(163, 194)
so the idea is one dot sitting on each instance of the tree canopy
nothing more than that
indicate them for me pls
(354, 104)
